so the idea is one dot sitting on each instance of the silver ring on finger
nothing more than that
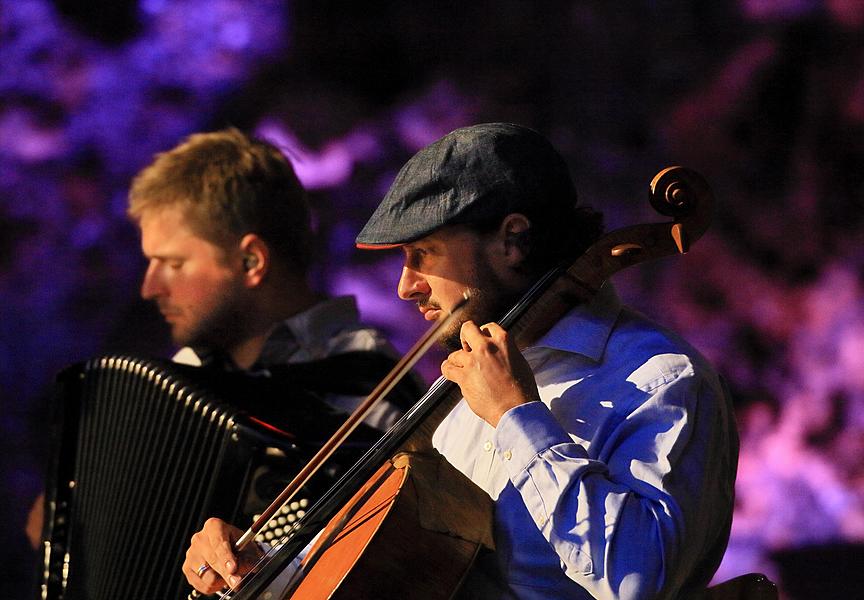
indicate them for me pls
(202, 569)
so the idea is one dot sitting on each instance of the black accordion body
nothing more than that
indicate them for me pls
(146, 451)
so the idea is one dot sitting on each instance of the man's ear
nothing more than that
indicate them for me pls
(255, 257)
(514, 233)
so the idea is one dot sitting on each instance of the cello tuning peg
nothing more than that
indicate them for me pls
(680, 237)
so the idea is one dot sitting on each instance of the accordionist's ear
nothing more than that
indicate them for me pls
(255, 257)
(250, 261)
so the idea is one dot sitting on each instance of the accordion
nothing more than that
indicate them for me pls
(145, 451)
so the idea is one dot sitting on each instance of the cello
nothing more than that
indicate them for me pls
(401, 476)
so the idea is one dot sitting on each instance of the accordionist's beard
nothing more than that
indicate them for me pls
(221, 326)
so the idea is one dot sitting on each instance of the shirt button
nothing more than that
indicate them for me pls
(540, 520)
(508, 454)
(487, 446)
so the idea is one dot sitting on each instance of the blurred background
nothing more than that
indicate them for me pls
(764, 97)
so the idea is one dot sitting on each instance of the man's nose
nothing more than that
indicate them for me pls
(412, 285)
(152, 285)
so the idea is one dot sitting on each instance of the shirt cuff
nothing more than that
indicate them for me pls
(526, 431)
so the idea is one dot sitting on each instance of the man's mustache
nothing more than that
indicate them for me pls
(428, 303)
(167, 309)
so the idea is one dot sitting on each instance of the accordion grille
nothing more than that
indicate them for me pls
(150, 454)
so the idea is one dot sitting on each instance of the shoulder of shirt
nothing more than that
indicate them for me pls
(333, 326)
(606, 331)
(656, 354)
(359, 337)
(585, 330)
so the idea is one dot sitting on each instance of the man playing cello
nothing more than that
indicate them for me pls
(608, 445)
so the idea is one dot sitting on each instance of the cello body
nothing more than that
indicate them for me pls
(396, 539)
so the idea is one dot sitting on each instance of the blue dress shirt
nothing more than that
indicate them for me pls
(620, 482)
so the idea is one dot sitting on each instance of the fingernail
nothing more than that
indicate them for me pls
(233, 580)
(229, 565)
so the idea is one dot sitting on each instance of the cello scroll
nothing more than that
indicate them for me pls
(675, 191)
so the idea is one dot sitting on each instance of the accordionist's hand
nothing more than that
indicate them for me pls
(211, 563)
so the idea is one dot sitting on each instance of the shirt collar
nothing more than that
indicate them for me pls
(300, 337)
(309, 331)
(586, 328)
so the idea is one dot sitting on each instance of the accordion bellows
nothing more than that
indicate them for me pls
(144, 455)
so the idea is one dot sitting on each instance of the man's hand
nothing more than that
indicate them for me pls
(213, 546)
(491, 372)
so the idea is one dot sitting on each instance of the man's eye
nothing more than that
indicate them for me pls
(415, 259)
(175, 264)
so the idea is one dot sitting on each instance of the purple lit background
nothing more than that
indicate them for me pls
(764, 97)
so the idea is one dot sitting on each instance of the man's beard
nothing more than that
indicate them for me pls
(221, 328)
(488, 302)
